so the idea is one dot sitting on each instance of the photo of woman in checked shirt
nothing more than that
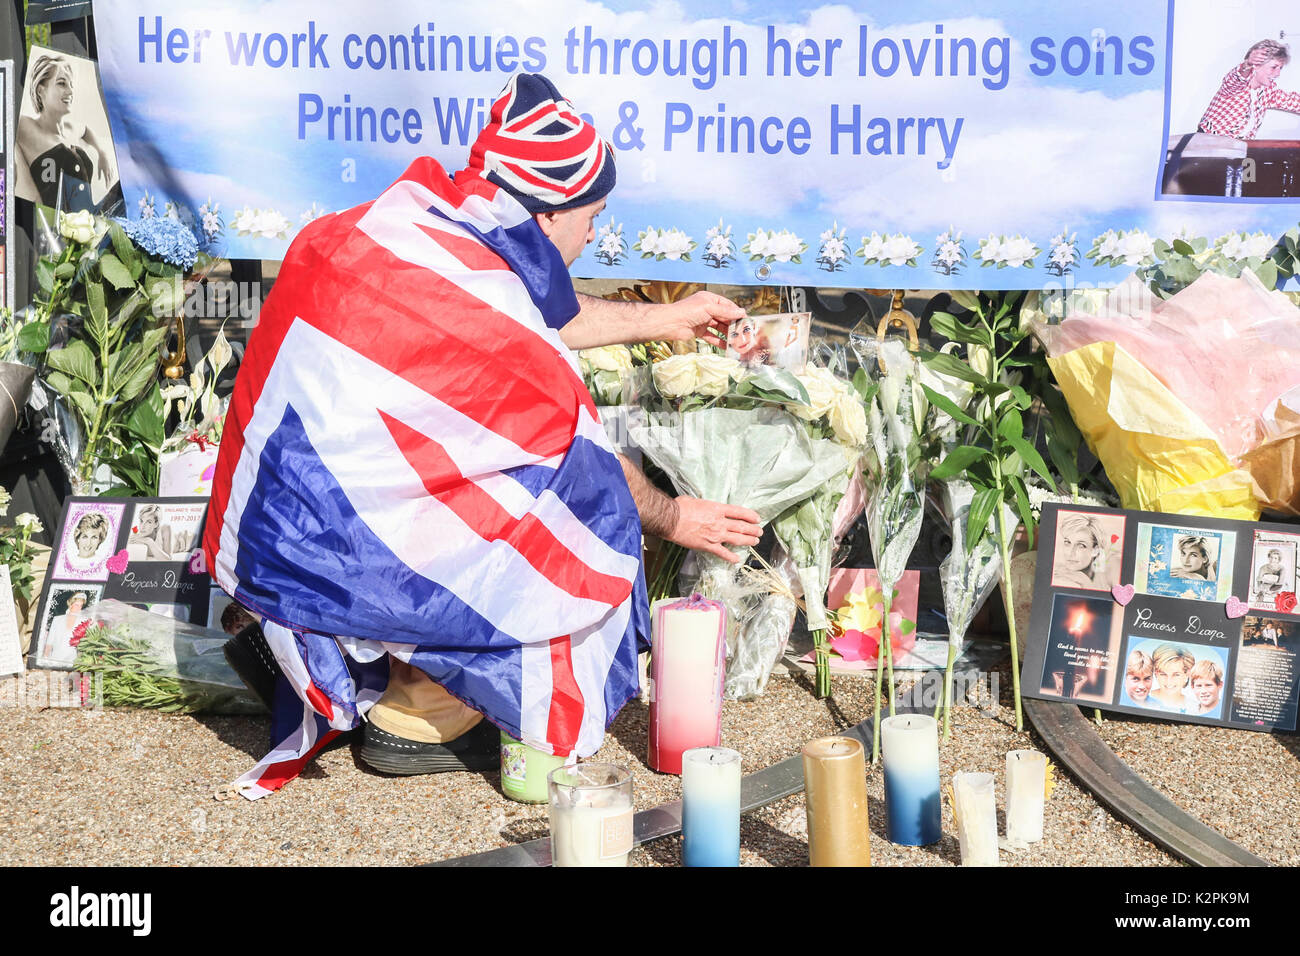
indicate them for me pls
(1248, 92)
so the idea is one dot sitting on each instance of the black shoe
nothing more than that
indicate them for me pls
(250, 657)
(477, 749)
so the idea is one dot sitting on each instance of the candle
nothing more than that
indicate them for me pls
(524, 770)
(910, 748)
(1026, 792)
(835, 790)
(591, 815)
(711, 807)
(687, 654)
(976, 809)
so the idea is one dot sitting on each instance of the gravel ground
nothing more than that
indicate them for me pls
(136, 787)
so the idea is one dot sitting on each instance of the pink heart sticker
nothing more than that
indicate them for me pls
(118, 562)
(1122, 594)
(1234, 608)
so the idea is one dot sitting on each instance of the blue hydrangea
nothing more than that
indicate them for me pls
(165, 239)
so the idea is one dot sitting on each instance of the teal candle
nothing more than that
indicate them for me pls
(910, 748)
(710, 807)
(524, 770)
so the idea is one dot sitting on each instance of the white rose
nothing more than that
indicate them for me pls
(898, 249)
(849, 419)
(714, 373)
(1135, 247)
(1109, 246)
(675, 377)
(1258, 246)
(786, 246)
(29, 520)
(823, 390)
(871, 248)
(650, 241)
(77, 226)
(991, 249)
(674, 243)
(758, 246)
(1016, 252)
(608, 358)
(4, 501)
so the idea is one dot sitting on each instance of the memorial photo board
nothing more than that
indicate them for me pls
(1185, 618)
(140, 551)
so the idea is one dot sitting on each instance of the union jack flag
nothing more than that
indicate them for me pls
(412, 466)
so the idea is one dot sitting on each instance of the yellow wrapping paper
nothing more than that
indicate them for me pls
(1156, 452)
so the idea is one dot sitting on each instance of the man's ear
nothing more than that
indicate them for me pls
(546, 220)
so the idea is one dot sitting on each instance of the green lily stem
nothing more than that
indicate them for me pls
(1008, 601)
(945, 701)
(822, 655)
(875, 723)
(886, 645)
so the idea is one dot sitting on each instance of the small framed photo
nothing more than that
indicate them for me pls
(164, 532)
(1089, 550)
(89, 536)
(1274, 562)
(776, 340)
(1190, 563)
(63, 612)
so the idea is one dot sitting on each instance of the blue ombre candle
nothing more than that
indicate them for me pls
(910, 745)
(711, 807)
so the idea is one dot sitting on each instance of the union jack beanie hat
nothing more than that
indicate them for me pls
(538, 149)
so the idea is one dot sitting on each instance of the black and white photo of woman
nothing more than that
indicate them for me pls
(64, 149)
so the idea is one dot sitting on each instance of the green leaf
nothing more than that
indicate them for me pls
(1029, 454)
(165, 295)
(977, 519)
(97, 327)
(1010, 425)
(1063, 457)
(1267, 274)
(1022, 502)
(75, 359)
(1020, 397)
(126, 251)
(65, 270)
(34, 337)
(45, 276)
(950, 328)
(112, 269)
(776, 384)
(1183, 248)
(61, 383)
(957, 461)
(83, 403)
(1061, 418)
(138, 381)
(947, 364)
(145, 420)
(946, 404)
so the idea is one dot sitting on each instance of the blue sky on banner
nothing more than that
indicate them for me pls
(1045, 147)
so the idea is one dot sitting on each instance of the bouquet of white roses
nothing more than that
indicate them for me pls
(726, 433)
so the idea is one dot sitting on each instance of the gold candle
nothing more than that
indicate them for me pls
(835, 791)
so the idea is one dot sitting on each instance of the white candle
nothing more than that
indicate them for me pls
(1026, 792)
(910, 749)
(711, 807)
(591, 815)
(977, 818)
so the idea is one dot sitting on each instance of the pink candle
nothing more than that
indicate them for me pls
(686, 670)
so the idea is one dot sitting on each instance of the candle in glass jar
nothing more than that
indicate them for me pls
(591, 815)
(711, 807)
(976, 810)
(524, 770)
(686, 671)
(1026, 794)
(910, 749)
(835, 792)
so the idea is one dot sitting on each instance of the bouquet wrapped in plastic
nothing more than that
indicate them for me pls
(143, 659)
(726, 433)
(1192, 403)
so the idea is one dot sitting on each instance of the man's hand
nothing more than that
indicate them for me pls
(703, 315)
(710, 526)
(605, 322)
